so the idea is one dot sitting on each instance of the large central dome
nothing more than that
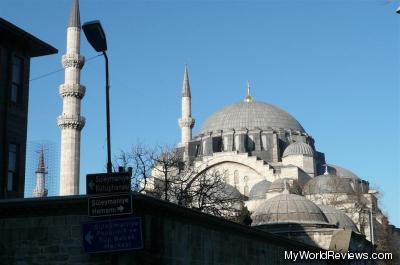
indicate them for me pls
(250, 115)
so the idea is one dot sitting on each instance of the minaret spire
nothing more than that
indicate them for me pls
(186, 85)
(74, 17)
(248, 97)
(186, 122)
(41, 167)
(40, 190)
(71, 122)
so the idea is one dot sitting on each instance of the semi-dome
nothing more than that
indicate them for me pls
(329, 183)
(337, 217)
(259, 190)
(298, 148)
(228, 191)
(288, 208)
(250, 115)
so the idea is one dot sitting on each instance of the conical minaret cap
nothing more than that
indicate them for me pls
(74, 18)
(186, 85)
(41, 167)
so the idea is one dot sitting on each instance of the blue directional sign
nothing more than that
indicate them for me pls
(113, 235)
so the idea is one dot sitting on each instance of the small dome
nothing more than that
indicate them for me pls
(328, 183)
(337, 217)
(298, 148)
(288, 208)
(259, 190)
(250, 115)
(278, 185)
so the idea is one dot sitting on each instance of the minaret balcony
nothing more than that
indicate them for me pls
(186, 122)
(73, 60)
(71, 122)
(72, 90)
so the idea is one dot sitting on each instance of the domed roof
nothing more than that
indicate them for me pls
(341, 172)
(328, 183)
(228, 191)
(278, 185)
(288, 208)
(337, 217)
(250, 115)
(259, 190)
(298, 148)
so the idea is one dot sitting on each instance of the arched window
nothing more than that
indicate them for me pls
(246, 190)
(236, 177)
(226, 177)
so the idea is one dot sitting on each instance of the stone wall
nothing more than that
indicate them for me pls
(49, 231)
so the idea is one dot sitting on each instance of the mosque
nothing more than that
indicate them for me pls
(288, 186)
(270, 160)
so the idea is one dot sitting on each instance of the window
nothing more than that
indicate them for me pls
(16, 85)
(217, 144)
(250, 143)
(12, 166)
(226, 177)
(197, 150)
(236, 177)
(246, 190)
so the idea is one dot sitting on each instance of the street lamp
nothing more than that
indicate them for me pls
(97, 38)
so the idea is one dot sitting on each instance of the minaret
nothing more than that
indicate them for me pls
(40, 190)
(71, 122)
(248, 97)
(186, 122)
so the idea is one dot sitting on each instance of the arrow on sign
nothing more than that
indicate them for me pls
(120, 208)
(91, 184)
(89, 237)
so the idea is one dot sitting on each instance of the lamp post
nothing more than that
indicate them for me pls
(97, 38)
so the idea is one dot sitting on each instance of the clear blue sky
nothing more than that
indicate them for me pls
(334, 65)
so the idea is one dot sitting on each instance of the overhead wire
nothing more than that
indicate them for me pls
(59, 70)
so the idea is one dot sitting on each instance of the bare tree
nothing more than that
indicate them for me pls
(210, 194)
(139, 158)
(180, 182)
(168, 166)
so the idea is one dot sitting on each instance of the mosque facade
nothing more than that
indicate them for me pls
(287, 185)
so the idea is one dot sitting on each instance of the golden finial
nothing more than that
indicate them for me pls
(248, 97)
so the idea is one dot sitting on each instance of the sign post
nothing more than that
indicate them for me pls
(109, 196)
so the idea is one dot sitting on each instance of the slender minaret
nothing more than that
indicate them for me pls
(186, 122)
(40, 190)
(71, 122)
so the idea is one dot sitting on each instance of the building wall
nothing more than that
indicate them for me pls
(13, 117)
(48, 231)
(16, 49)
